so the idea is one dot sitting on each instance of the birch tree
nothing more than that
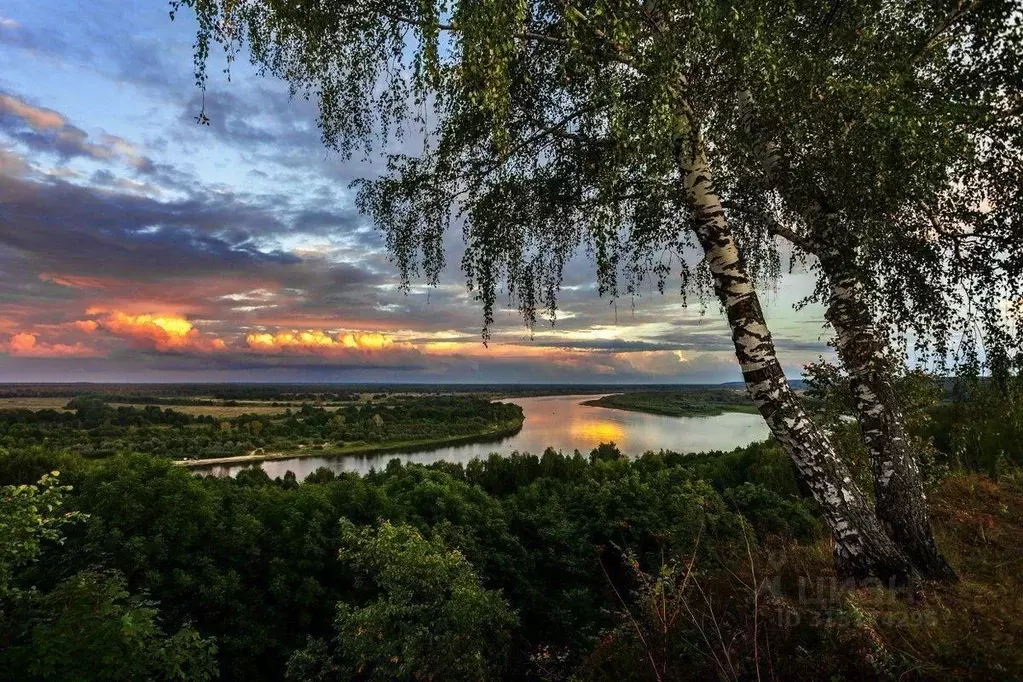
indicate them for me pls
(884, 143)
(551, 126)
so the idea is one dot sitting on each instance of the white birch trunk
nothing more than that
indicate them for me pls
(862, 547)
(899, 499)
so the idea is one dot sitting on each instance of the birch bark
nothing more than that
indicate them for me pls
(899, 499)
(862, 548)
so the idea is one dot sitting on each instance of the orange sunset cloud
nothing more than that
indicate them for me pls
(26, 345)
(162, 332)
(317, 341)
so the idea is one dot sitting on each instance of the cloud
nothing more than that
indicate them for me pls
(47, 130)
(12, 164)
(84, 231)
(316, 341)
(162, 332)
(26, 345)
(37, 118)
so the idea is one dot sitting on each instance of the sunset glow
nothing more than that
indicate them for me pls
(597, 431)
(135, 244)
(315, 341)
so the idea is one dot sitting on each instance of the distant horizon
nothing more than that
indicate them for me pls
(369, 383)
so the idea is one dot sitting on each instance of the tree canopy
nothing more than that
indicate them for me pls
(549, 127)
(894, 136)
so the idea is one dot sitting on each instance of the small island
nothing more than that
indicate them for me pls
(703, 402)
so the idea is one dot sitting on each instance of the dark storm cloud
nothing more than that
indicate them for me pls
(63, 226)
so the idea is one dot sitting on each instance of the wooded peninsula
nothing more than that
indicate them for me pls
(685, 403)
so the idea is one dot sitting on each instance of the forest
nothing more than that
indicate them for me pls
(92, 427)
(679, 403)
(548, 566)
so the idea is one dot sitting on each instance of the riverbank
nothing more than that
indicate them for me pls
(496, 431)
(688, 403)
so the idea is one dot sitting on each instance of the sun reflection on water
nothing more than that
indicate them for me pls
(597, 430)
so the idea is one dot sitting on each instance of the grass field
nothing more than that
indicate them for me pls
(33, 403)
(214, 410)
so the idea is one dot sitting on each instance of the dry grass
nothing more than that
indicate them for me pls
(33, 403)
(220, 410)
(972, 630)
(784, 615)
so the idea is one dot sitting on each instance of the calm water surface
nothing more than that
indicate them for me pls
(560, 422)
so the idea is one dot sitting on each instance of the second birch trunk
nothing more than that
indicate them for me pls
(899, 498)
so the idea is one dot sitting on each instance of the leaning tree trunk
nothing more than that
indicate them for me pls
(899, 499)
(862, 548)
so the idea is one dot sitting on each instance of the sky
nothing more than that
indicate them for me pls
(138, 245)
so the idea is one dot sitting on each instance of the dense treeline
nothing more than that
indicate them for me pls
(518, 567)
(166, 394)
(95, 429)
(253, 563)
(706, 403)
(199, 392)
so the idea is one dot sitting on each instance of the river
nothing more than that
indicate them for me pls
(561, 422)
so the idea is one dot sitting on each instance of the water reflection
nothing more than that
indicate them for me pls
(563, 423)
(589, 430)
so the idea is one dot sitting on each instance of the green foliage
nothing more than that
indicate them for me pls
(980, 427)
(96, 429)
(970, 424)
(252, 563)
(89, 627)
(761, 463)
(30, 515)
(547, 127)
(896, 150)
(921, 397)
(425, 614)
(684, 403)
(772, 514)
